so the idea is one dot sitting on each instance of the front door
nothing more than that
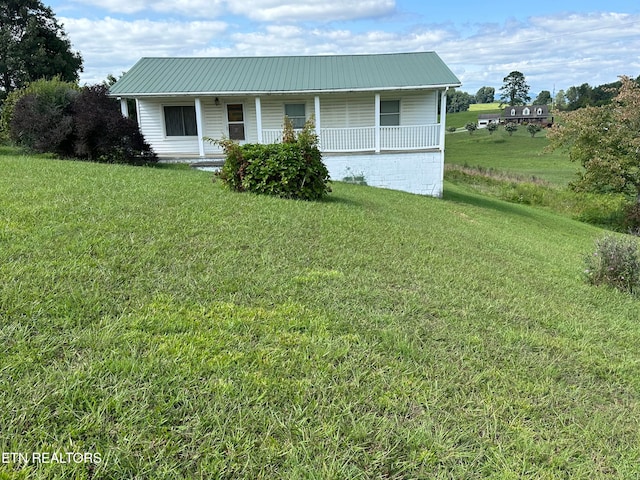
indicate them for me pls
(235, 119)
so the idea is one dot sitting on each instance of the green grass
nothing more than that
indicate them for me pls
(518, 154)
(486, 107)
(519, 169)
(183, 331)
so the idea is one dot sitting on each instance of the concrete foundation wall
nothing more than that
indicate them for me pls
(414, 172)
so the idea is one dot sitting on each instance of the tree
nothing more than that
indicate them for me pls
(33, 45)
(560, 102)
(543, 98)
(458, 101)
(605, 140)
(515, 90)
(510, 128)
(471, 127)
(485, 95)
(533, 128)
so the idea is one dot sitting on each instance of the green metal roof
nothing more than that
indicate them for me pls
(285, 74)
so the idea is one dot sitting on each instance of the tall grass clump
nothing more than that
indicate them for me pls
(615, 262)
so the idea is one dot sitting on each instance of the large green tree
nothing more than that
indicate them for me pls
(605, 140)
(458, 101)
(543, 98)
(33, 45)
(485, 95)
(515, 90)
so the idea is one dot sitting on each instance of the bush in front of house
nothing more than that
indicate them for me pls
(37, 117)
(50, 116)
(615, 262)
(471, 127)
(291, 169)
(492, 127)
(102, 134)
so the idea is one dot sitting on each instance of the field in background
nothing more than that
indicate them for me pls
(485, 107)
(460, 119)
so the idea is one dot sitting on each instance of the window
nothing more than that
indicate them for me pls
(180, 121)
(513, 112)
(235, 118)
(296, 113)
(389, 113)
(539, 111)
(526, 111)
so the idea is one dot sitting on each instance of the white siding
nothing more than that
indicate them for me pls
(273, 110)
(419, 108)
(345, 110)
(214, 124)
(151, 116)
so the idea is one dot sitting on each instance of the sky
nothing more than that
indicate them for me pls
(555, 44)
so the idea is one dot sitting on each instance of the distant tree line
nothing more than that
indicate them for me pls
(587, 96)
(458, 101)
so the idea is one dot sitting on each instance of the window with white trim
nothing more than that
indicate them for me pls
(513, 112)
(180, 121)
(539, 111)
(296, 113)
(526, 111)
(235, 119)
(389, 113)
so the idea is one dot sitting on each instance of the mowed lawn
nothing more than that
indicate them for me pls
(183, 331)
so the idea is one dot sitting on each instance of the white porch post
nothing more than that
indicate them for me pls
(259, 118)
(443, 118)
(377, 123)
(138, 112)
(199, 126)
(316, 101)
(124, 107)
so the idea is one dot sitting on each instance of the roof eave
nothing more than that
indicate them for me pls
(283, 92)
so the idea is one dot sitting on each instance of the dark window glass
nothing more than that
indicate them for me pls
(296, 113)
(389, 113)
(180, 121)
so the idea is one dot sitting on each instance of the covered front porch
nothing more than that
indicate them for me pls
(347, 123)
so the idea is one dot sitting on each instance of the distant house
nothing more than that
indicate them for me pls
(485, 119)
(376, 116)
(527, 114)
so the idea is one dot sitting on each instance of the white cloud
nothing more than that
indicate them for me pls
(549, 50)
(328, 10)
(260, 10)
(112, 46)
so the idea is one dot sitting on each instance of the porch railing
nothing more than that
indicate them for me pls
(363, 139)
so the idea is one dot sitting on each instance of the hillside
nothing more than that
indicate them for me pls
(183, 331)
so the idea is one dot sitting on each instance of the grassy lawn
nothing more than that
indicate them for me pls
(183, 331)
(518, 154)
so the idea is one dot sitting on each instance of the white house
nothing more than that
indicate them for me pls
(376, 115)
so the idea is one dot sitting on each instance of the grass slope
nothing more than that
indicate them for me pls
(183, 331)
(519, 154)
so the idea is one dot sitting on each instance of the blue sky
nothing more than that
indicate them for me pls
(555, 44)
